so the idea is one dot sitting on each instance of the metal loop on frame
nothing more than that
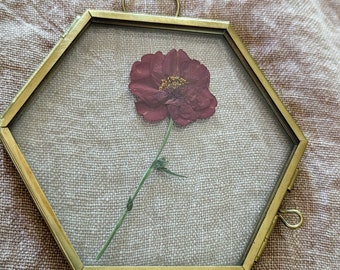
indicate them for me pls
(291, 212)
(178, 7)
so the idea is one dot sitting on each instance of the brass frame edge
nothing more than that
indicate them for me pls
(264, 243)
(270, 217)
(39, 198)
(47, 64)
(274, 206)
(159, 22)
(164, 267)
(17, 157)
(265, 83)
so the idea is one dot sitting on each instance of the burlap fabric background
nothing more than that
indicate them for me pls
(297, 47)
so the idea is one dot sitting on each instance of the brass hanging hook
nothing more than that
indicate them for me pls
(178, 7)
(291, 212)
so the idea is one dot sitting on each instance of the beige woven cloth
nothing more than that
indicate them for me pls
(296, 46)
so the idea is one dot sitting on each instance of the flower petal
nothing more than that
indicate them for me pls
(182, 113)
(200, 100)
(139, 71)
(196, 73)
(173, 61)
(151, 113)
(209, 111)
(150, 67)
(147, 94)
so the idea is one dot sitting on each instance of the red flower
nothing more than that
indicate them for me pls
(172, 85)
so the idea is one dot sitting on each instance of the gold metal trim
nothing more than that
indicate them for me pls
(39, 198)
(168, 23)
(291, 212)
(290, 126)
(291, 184)
(164, 268)
(36, 78)
(160, 22)
(265, 241)
(261, 81)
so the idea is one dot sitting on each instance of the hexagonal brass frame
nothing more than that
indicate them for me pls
(167, 23)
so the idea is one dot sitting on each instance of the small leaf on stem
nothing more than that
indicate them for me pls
(160, 164)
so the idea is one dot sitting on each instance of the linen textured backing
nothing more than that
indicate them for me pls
(296, 46)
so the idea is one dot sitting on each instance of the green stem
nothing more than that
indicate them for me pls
(140, 184)
(165, 140)
(115, 229)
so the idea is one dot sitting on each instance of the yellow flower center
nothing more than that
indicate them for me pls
(172, 82)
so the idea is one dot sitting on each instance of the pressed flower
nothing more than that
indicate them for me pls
(172, 85)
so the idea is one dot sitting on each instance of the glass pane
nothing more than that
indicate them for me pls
(88, 148)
